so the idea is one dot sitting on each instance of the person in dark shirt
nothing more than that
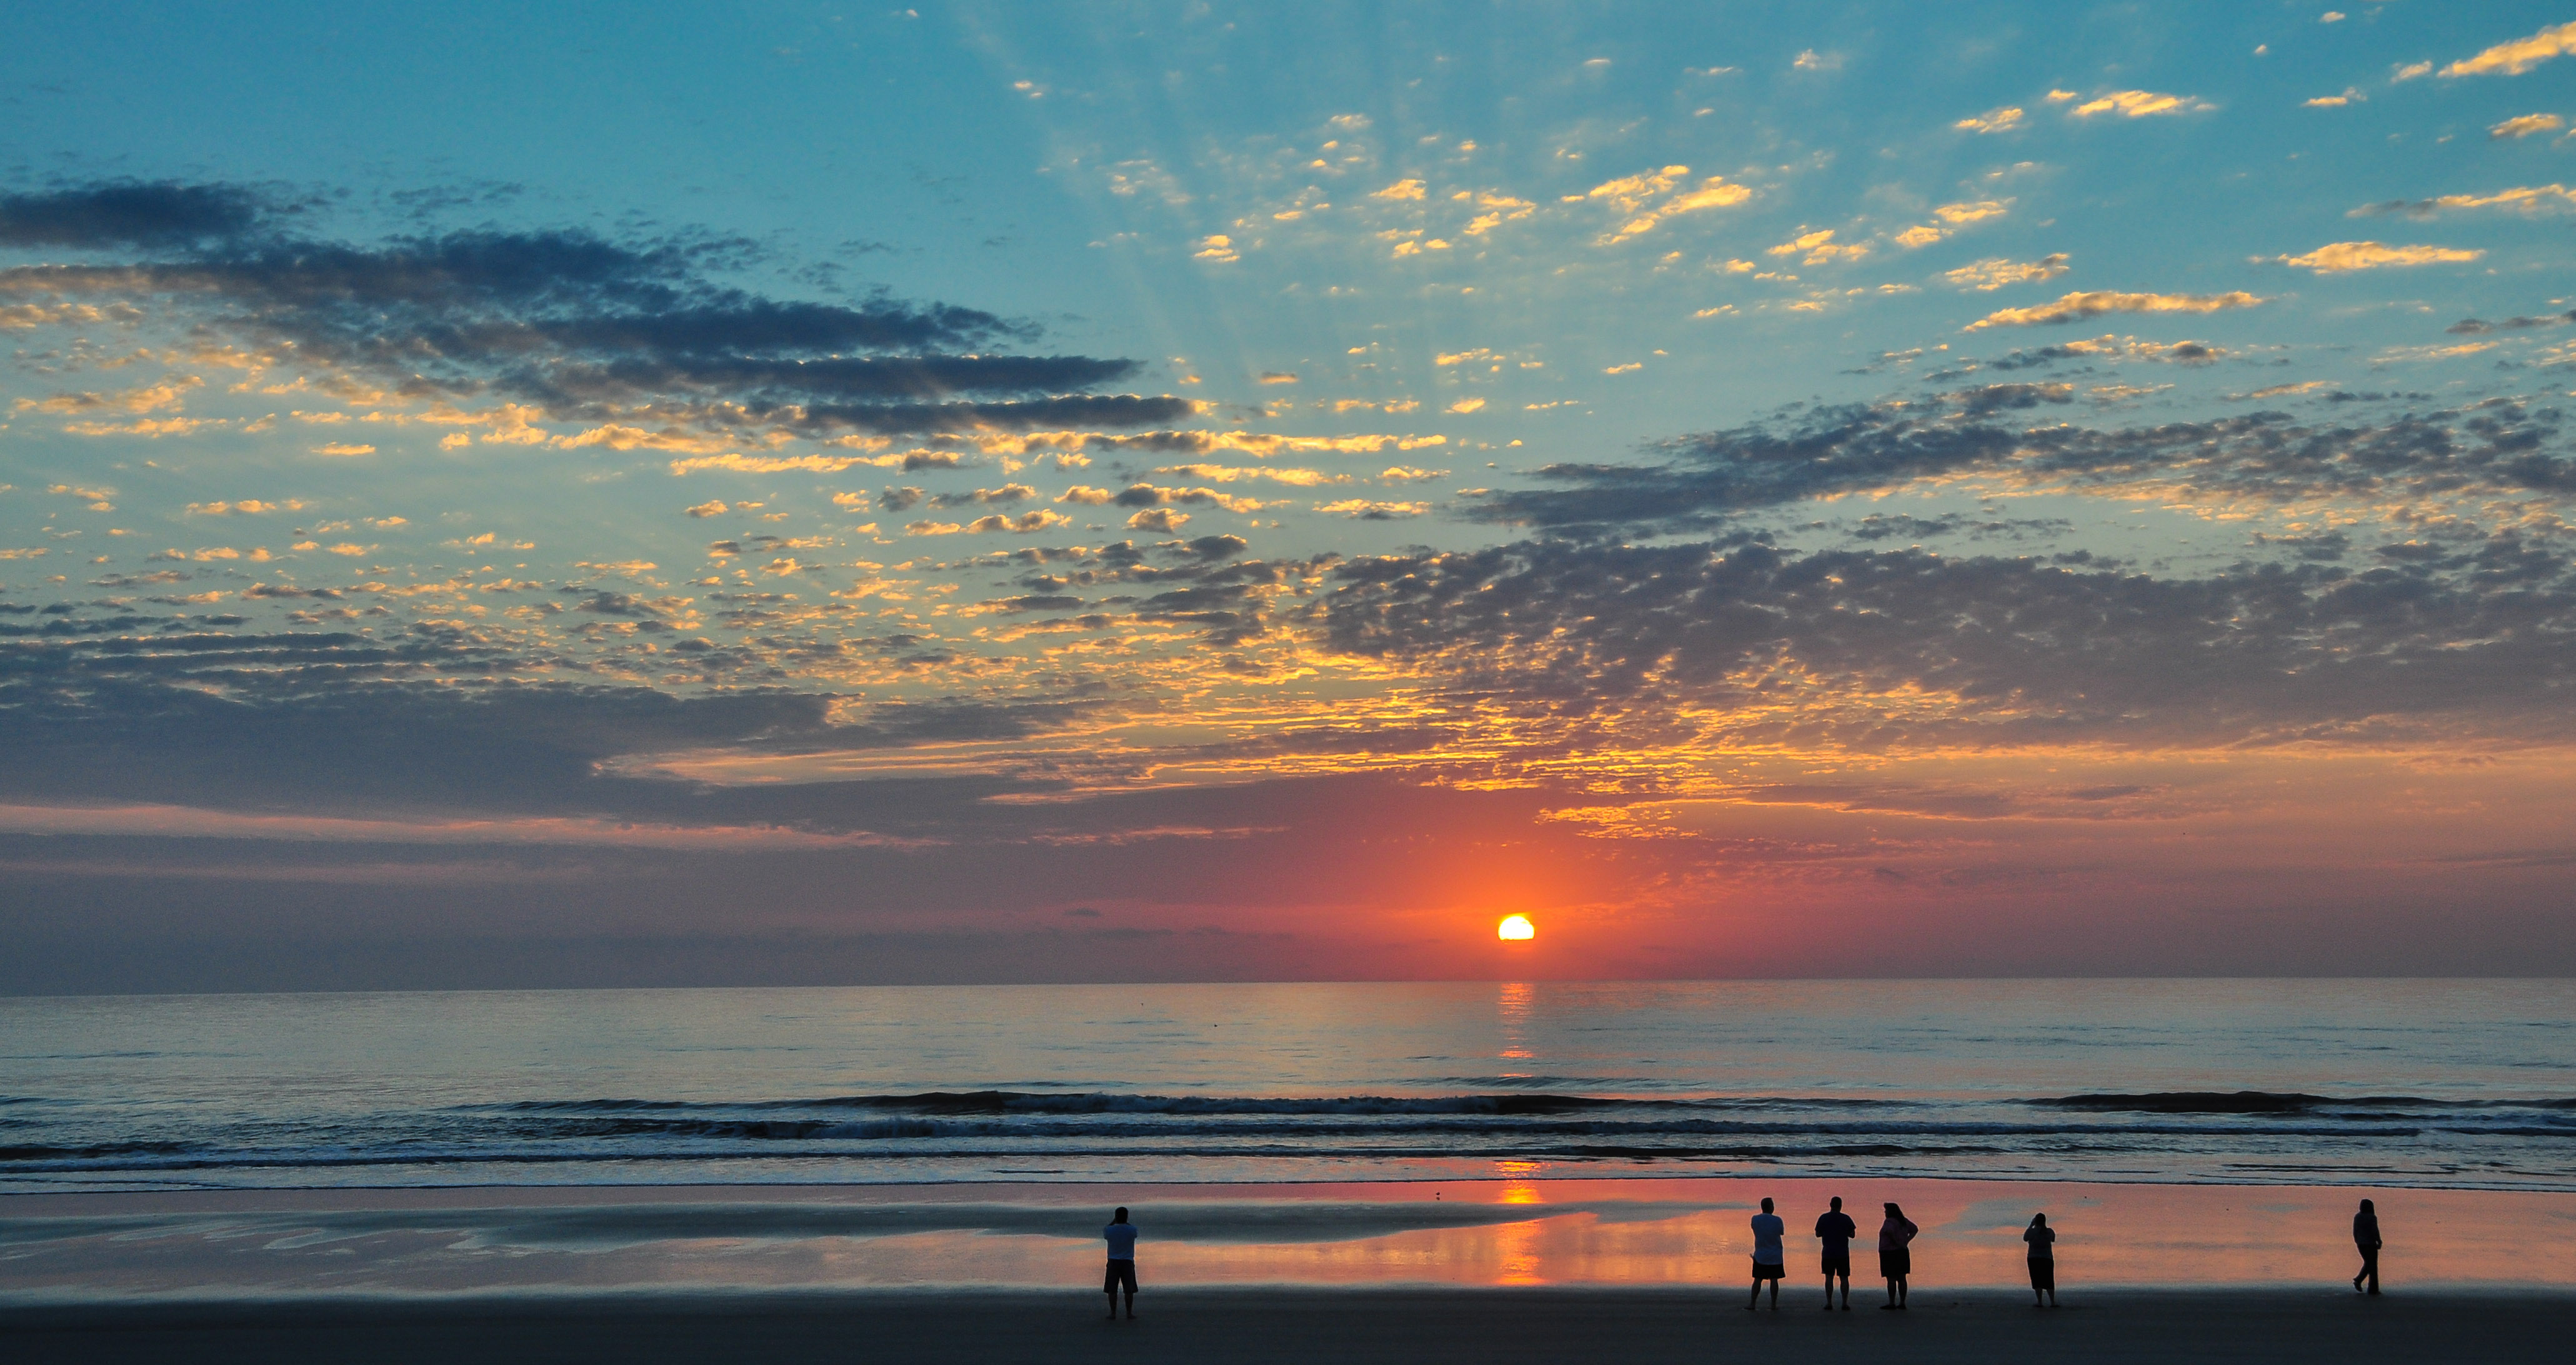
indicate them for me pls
(2365, 1236)
(1837, 1230)
(2043, 1259)
(1896, 1256)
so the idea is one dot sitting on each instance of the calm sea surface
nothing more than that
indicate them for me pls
(2447, 1083)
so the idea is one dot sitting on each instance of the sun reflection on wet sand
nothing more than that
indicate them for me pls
(1508, 1232)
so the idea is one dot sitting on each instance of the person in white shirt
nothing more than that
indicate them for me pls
(1770, 1258)
(1121, 1237)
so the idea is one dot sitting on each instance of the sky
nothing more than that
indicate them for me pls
(802, 493)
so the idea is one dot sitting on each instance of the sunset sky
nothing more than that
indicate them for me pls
(498, 495)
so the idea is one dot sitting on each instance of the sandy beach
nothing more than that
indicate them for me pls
(1304, 1324)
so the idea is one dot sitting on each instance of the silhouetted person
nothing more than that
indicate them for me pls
(1121, 1236)
(2043, 1259)
(1895, 1256)
(1837, 1229)
(1770, 1259)
(2365, 1235)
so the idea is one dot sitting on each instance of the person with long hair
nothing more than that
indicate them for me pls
(2365, 1238)
(2043, 1260)
(1896, 1255)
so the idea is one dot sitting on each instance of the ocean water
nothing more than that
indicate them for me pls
(2462, 1084)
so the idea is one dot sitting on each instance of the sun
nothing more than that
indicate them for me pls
(1515, 928)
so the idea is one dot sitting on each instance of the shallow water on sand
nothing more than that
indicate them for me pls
(1485, 1234)
(2435, 1083)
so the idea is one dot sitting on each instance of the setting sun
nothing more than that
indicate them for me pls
(1516, 927)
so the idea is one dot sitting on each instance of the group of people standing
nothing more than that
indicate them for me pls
(1837, 1231)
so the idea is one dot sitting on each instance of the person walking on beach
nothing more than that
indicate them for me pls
(1770, 1258)
(2365, 1236)
(1837, 1230)
(2043, 1259)
(1121, 1236)
(1895, 1255)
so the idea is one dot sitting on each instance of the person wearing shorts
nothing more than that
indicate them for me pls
(1896, 1255)
(1770, 1258)
(2043, 1259)
(1836, 1229)
(1121, 1237)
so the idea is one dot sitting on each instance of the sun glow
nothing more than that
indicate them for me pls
(1515, 928)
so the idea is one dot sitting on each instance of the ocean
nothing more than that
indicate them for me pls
(2427, 1083)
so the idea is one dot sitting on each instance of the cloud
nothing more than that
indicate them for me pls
(2526, 125)
(2138, 104)
(1820, 248)
(2340, 257)
(132, 213)
(2003, 651)
(576, 326)
(1026, 523)
(1648, 198)
(2078, 306)
(1161, 520)
(1998, 120)
(249, 507)
(1364, 510)
(342, 448)
(1707, 479)
(710, 508)
(2521, 198)
(2518, 56)
(2477, 326)
(1812, 60)
(1400, 191)
(1995, 273)
(1218, 248)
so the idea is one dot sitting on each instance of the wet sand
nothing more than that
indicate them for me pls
(1305, 1324)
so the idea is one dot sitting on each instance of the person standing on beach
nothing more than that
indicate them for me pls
(1837, 1230)
(1895, 1255)
(2365, 1236)
(1121, 1237)
(1770, 1258)
(2043, 1259)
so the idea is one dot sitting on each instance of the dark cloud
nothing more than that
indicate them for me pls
(126, 213)
(587, 328)
(2482, 631)
(2477, 326)
(2498, 446)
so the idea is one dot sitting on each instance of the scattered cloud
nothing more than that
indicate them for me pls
(2526, 125)
(2078, 306)
(2518, 56)
(2341, 257)
(2521, 198)
(1995, 273)
(1998, 120)
(2139, 104)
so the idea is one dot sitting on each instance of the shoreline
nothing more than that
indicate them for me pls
(1641, 1234)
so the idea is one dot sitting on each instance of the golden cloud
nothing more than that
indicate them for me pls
(2518, 56)
(2526, 125)
(1992, 121)
(2077, 306)
(2339, 257)
(1990, 275)
(2139, 104)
